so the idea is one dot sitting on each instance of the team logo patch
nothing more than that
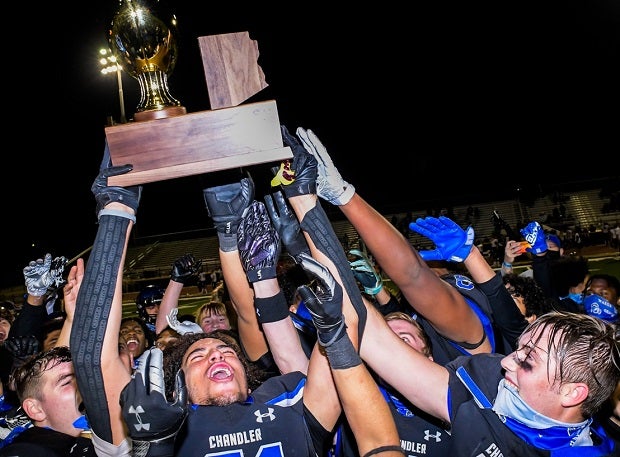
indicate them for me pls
(263, 417)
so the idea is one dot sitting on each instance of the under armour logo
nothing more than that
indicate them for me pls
(139, 426)
(259, 274)
(268, 415)
(428, 436)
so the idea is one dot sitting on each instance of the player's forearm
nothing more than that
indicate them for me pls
(358, 394)
(169, 302)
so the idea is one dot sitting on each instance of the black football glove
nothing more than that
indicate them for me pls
(324, 303)
(105, 194)
(286, 224)
(325, 306)
(21, 348)
(299, 176)
(153, 422)
(225, 205)
(185, 268)
(259, 243)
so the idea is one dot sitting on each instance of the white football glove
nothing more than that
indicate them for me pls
(329, 184)
(182, 327)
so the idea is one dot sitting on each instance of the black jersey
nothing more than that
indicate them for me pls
(272, 422)
(477, 431)
(44, 442)
(420, 434)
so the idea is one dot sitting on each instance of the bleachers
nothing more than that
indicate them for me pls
(155, 260)
(583, 209)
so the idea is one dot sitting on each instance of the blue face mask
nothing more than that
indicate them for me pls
(577, 298)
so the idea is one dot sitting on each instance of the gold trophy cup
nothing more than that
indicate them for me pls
(143, 38)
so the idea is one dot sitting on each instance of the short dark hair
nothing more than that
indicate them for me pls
(28, 377)
(150, 335)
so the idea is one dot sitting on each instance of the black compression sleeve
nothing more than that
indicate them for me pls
(320, 229)
(91, 318)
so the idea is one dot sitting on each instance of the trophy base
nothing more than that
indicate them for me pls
(163, 113)
(196, 143)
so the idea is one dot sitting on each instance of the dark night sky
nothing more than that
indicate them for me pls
(435, 99)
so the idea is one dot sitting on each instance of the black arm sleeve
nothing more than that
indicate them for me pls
(321, 231)
(91, 318)
(541, 268)
(506, 315)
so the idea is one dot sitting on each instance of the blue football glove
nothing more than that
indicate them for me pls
(365, 273)
(535, 235)
(451, 241)
(597, 306)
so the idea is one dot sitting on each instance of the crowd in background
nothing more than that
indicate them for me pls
(302, 346)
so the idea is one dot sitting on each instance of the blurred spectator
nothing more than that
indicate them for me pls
(147, 304)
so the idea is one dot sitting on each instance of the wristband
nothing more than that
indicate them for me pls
(506, 264)
(116, 212)
(381, 449)
(228, 242)
(271, 309)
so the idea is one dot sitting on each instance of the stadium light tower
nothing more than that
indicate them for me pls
(109, 65)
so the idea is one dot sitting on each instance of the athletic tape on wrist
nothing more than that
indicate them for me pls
(322, 234)
(271, 309)
(342, 354)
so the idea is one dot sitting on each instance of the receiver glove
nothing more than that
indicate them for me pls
(259, 243)
(286, 224)
(330, 185)
(153, 422)
(451, 241)
(185, 268)
(535, 235)
(225, 205)
(365, 273)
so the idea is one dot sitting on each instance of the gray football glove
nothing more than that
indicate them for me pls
(40, 274)
(329, 183)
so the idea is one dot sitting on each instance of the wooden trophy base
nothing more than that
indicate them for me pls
(167, 145)
(163, 113)
(197, 143)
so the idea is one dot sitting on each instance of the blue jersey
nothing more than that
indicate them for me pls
(272, 422)
(420, 434)
(478, 431)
